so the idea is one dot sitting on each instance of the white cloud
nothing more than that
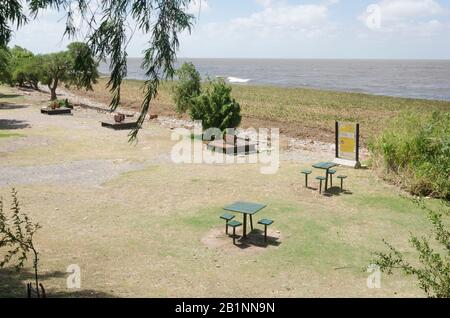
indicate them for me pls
(288, 17)
(276, 18)
(400, 10)
(418, 17)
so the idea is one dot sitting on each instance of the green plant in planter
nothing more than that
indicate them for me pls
(65, 103)
(215, 107)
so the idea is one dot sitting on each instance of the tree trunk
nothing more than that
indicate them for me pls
(53, 89)
(53, 93)
(35, 265)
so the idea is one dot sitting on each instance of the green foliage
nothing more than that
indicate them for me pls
(11, 14)
(75, 67)
(108, 35)
(187, 87)
(64, 103)
(25, 68)
(414, 151)
(83, 66)
(434, 274)
(5, 75)
(215, 107)
(16, 237)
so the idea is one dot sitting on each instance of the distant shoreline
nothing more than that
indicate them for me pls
(303, 113)
(250, 84)
(414, 78)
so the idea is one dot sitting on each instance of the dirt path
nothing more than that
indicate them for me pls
(83, 172)
(90, 170)
(308, 149)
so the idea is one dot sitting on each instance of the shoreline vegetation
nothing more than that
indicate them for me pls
(299, 112)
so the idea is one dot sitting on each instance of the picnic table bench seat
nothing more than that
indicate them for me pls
(227, 217)
(266, 223)
(342, 181)
(321, 179)
(306, 173)
(234, 224)
(331, 173)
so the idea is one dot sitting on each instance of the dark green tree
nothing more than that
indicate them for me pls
(110, 25)
(215, 107)
(74, 67)
(5, 57)
(25, 67)
(187, 87)
(432, 268)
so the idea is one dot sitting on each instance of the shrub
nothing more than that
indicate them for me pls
(215, 107)
(414, 151)
(17, 233)
(434, 274)
(187, 87)
(25, 67)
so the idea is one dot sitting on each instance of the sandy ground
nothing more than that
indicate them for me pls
(99, 171)
(140, 225)
(294, 148)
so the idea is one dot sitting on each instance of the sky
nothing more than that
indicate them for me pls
(331, 29)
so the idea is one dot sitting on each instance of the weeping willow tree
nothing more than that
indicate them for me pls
(4, 65)
(107, 27)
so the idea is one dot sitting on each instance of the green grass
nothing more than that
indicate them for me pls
(8, 134)
(142, 234)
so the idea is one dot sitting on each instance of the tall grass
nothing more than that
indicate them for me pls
(414, 151)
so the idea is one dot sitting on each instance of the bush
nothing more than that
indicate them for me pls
(434, 273)
(17, 233)
(215, 107)
(414, 151)
(187, 87)
(25, 68)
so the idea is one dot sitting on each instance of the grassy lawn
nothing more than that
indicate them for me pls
(155, 230)
(299, 112)
(8, 134)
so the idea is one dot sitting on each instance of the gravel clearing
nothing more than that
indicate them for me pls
(85, 172)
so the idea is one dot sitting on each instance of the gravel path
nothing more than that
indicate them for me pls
(96, 172)
(86, 172)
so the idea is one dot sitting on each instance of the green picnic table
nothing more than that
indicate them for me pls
(325, 166)
(246, 208)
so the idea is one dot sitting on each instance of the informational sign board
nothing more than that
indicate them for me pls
(347, 144)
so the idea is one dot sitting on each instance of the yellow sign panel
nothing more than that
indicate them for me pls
(347, 145)
(347, 129)
(347, 140)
